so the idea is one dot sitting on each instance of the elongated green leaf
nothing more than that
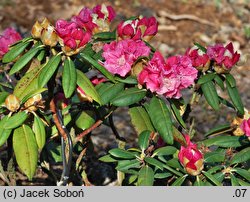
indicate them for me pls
(39, 131)
(3, 96)
(173, 170)
(154, 162)
(107, 159)
(32, 94)
(41, 55)
(161, 119)
(25, 149)
(230, 79)
(211, 178)
(242, 172)
(25, 59)
(143, 140)
(120, 153)
(69, 77)
(176, 107)
(205, 78)
(105, 36)
(202, 48)
(210, 94)
(140, 119)
(128, 80)
(146, 176)
(48, 70)
(15, 120)
(128, 97)
(213, 157)
(4, 134)
(85, 120)
(99, 67)
(125, 165)
(242, 182)
(168, 150)
(217, 129)
(179, 181)
(235, 97)
(215, 169)
(224, 141)
(178, 137)
(219, 81)
(15, 51)
(234, 180)
(85, 84)
(108, 91)
(162, 175)
(242, 156)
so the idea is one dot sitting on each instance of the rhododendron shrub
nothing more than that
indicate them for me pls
(68, 78)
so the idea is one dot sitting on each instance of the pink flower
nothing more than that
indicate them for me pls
(245, 126)
(191, 158)
(73, 37)
(144, 28)
(120, 56)
(199, 59)
(223, 56)
(168, 77)
(104, 12)
(7, 38)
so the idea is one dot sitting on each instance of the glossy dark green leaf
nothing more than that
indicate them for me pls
(230, 79)
(224, 141)
(39, 131)
(215, 169)
(108, 91)
(205, 78)
(146, 176)
(128, 80)
(15, 51)
(235, 97)
(143, 139)
(41, 55)
(214, 157)
(69, 77)
(220, 176)
(125, 165)
(242, 156)
(128, 97)
(176, 107)
(178, 137)
(217, 129)
(219, 81)
(48, 70)
(234, 180)
(210, 94)
(179, 181)
(161, 119)
(174, 163)
(107, 159)
(25, 149)
(85, 84)
(226, 103)
(140, 119)
(3, 96)
(105, 36)
(162, 151)
(154, 162)
(202, 48)
(22, 61)
(85, 120)
(242, 182)
(15, 120)
(174, 171)
(242, 172)
(211, 178)
(120, 153)
(162, 175)
(4, 133)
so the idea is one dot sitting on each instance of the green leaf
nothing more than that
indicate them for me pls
(243, 173)
(4, 133)
(48, 70)
(154, 162)
(235, 97)
(39, 131)
(32, 94)
(140, 119)
(215, 169)
(230, 79)
(15, 120)
(25, 149)
(3, 96)
(69, 77)
(85, 120)
(146, 176)
(120, 153)
(205, 78)
(178, 137)
(105, 36)
(242, 156)
(242, 182)
(214, 157)
(179, 181)
(99, 67)
(162, 175)
(85, 84)
(217, 129)
(15, 51)
(108, 91)
(234, 180)
(54, 151)
(125, 165)
(210, 94)
(211, 178)
(168, 150)
(161, 119)
(143, 140)
(202, 48)
(224, 141)
(128, 80)
(107, 159)
(25, 59)
(219, 81)
(175, 106)
(41, 55)
(128, 97)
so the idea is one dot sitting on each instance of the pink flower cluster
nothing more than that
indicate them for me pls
(191, 158)
(200, 60)
(168, 77)
(140, 28)
(245, 126)
(93, 20)
(7, 38)
(120, 56)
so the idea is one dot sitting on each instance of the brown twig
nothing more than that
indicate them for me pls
(56, 119)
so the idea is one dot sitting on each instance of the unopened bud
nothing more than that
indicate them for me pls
(31, 104)
(12, 103)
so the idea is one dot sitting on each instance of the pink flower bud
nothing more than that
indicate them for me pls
(191, 158)
(245, 127)
(200, 60)
(104, 12)
(7, 38)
